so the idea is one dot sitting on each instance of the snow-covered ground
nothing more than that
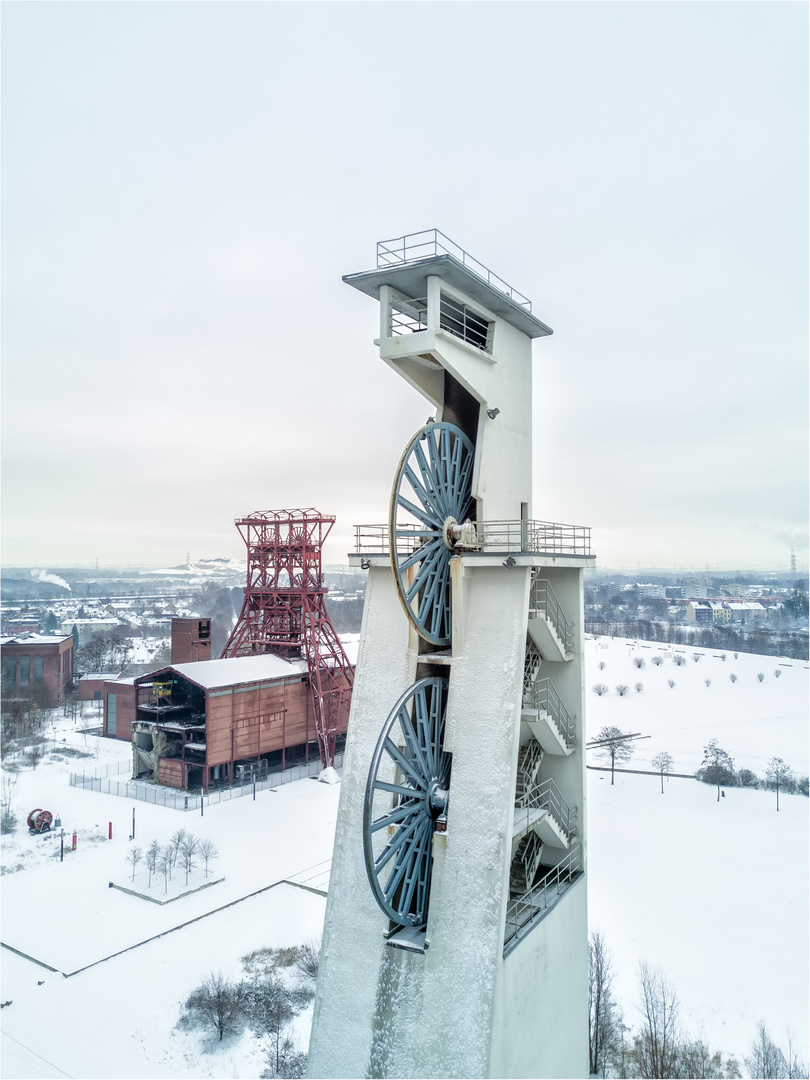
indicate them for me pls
(716, 894)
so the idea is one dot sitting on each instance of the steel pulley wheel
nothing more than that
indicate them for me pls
(431, 496)
(407, 790)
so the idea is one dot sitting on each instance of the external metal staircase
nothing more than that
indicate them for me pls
(530, 759)
(525, 864)
(551, 630)
(549, 720)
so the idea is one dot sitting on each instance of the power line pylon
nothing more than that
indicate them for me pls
(284, 611)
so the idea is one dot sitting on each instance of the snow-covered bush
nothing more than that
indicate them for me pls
(639, 687)
(639, 662)
(760, 676)
(658, 660)
(621, 689)
(599, 689)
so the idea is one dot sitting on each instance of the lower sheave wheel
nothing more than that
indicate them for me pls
(431, 497)
(407, 791)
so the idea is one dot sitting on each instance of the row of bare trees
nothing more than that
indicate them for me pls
(182, 848)
(658, 1047)
(616, 746)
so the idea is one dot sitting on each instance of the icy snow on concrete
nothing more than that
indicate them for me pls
(716, 894)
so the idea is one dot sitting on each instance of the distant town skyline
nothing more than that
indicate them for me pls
(184, 186)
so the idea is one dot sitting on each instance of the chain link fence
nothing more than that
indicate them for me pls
(115, 780)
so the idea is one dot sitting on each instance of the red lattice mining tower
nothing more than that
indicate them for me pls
(284, 611)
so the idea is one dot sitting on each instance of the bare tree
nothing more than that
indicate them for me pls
(133, 858)
(188, 849)
(779, 776)
(219, 1003)
(602, 1017)
(164, 865)
(663, 762)
(10, 778)
(717, 767)
(612, 743)
(208, 852)
(655, 1047)
(767, 1062)
(152, 855)
(176, 842)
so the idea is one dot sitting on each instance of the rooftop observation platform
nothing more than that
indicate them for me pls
(528, 543)
(408, 261)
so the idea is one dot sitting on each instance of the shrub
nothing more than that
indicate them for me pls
(601, 665)
(658, 660)
(638, 687)
(760, 676)
(8, 821)
(803, 785)
(708, 682)
(671, 684)
(746, 778)
(638, 661)
(696, 656)
(679, 660)
(621, 689)
(778, 673)
(733, 677)
(599, 689)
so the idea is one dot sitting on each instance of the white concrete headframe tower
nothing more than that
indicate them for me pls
(456, 940)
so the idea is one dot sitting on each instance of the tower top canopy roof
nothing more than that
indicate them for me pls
(407, 262)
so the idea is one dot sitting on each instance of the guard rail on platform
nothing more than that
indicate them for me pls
(489, 538)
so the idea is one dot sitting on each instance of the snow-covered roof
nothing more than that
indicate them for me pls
(33, 639)
(212, 674)
(108, 676)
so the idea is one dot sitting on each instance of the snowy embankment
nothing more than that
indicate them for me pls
(713, 893)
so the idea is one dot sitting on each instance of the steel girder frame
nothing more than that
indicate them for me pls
(284, 611)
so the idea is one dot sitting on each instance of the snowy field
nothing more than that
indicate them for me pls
(716, 894)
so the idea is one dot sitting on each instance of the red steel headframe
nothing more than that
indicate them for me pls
(284, 611)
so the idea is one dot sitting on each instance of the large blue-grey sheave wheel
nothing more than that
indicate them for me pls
(431, 495)
(407, 791)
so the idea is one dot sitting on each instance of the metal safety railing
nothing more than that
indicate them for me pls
(489, 538)
(176, 799)
(430, 243)
(543, 598)
(547, 796)
(542, 695)
(407, 316)
(523, 911)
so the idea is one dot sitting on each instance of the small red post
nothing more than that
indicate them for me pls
(110, 836)
(74, 840)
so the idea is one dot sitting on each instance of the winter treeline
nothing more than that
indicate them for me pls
(658, 1047)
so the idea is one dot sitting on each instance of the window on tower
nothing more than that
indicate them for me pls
(457, 319)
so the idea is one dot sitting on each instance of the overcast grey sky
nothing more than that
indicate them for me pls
(185, 183)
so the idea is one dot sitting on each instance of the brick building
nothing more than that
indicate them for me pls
(37, 663)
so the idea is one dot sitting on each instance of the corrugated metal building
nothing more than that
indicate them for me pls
(214, 721)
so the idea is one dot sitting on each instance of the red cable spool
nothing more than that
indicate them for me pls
(40, 821)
